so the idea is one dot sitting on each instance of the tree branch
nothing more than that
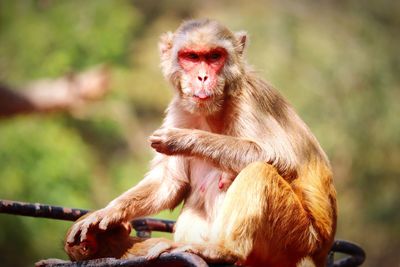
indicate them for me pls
(59, 94)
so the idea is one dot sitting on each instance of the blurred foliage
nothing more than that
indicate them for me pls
(336, 61)
(64, 35)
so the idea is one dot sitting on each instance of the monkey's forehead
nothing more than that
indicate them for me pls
(204, 38)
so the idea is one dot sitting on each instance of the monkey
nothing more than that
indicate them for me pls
(226, 121)
(114, 242)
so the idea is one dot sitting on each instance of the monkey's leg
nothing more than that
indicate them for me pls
(262, 221)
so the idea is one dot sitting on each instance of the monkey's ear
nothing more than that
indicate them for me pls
(165, 43)
(241, 38)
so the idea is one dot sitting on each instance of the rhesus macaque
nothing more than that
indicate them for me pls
(114, 242)
(225, 121)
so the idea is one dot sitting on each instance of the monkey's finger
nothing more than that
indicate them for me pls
(127, 226)
(163, 133)
(85, 228)
(87, 223)
(74, 233)
(110, 218)
(155, 142)
(152, 256)
(71, 237)
(185, 248)
(156, 146)
(157, 250)
(159, 132)
(160, 149)
(84, 233)
(75, 238)
(155, 139)
(103, 224)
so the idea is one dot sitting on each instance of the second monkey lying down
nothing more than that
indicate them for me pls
(256, 186)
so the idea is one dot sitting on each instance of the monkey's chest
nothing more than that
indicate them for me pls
(204, 177)
(202, 205)
(204, 182)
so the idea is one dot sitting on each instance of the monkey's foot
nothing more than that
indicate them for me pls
(157, 250)
(187, 248)
(210, 253)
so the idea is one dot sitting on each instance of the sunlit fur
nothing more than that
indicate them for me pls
(272, 132)
(280, 210)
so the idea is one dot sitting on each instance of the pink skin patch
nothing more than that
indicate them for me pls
(203, 187)
(220, 183)
(225, 181)
(203, 67)
(202, 95)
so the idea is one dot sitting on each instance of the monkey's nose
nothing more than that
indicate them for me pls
(202, 79)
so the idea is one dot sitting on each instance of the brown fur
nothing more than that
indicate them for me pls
(280, 208)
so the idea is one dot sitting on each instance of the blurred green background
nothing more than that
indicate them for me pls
(338, 63)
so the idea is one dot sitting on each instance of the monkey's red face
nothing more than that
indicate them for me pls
(201, 81)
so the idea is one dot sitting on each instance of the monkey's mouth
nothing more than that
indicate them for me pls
(202, 96)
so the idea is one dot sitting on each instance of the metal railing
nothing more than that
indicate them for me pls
(354, 255)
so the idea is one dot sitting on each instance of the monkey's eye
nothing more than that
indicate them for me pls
(192, 56)
(215, 56)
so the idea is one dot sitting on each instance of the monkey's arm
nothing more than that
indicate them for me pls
(163, 187)
(227, 152)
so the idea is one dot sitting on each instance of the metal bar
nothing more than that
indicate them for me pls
(146, 225)
(40, 210)
(150, 224)
(330, 259)
(71, 214)
(357, 254)
(181, 259)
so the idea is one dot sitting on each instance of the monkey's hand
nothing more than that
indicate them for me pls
(102, 219)
(173, 141)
